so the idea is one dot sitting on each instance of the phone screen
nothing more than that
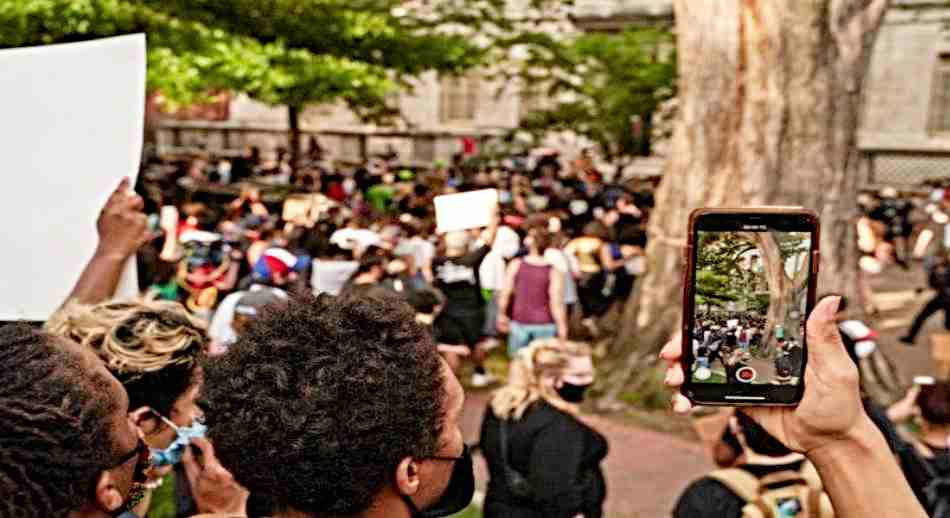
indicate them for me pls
(750, 301)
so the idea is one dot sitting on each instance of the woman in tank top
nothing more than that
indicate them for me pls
(534, 292)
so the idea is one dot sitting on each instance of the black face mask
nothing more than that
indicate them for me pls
(572, 393)
(457, 495)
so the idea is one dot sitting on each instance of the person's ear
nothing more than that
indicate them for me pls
(144, 419)
(108, 495)
(407, 476)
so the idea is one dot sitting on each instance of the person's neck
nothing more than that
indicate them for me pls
(365, 278)
(386, 505)
(87, 513)
(937, 436)
(534, 257)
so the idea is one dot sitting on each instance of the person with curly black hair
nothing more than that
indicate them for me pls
(67, 445)
(341, 406)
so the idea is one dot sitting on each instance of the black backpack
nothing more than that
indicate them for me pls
(938, 489)
(517, 483)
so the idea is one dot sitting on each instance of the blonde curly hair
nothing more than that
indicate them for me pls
(133, 338)
(527, 372)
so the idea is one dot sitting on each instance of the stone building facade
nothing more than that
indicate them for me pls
(904, 137)
(905, 132)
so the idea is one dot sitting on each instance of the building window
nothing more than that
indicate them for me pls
(940, 101)
(459, 98)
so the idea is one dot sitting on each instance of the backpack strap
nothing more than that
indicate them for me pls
(781, 478)
(809, 474)
(744, 484)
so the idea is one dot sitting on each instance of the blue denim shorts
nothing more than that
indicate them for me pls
(521, 335)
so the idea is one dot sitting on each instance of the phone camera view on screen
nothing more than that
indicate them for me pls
(750, 303)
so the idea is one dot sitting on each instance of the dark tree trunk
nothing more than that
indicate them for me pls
(293, 143)
(769, 102)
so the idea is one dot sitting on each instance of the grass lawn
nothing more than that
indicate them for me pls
(163, 499)
(471, 512)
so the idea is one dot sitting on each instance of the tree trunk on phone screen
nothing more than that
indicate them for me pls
(779, 284)
(769, 102)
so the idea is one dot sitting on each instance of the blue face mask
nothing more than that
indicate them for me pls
(184, 434)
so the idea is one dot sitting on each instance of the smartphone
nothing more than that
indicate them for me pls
(749, 286)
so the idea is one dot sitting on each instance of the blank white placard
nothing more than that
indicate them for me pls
(473, 209)
(71, 123)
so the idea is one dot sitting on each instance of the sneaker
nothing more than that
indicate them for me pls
(907, 340)
(482, 380)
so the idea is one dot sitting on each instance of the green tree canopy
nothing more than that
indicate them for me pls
(291, 52)
(603, 83)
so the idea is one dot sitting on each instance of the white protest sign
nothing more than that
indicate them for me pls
(71, 125)
(465, 210)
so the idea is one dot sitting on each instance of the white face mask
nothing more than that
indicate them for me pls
(349, 185)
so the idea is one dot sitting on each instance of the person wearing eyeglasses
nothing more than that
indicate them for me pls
(69, 447)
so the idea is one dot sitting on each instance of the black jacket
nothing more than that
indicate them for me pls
(559, 455)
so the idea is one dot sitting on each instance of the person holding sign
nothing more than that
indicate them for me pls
(122, 229)
(458, 328)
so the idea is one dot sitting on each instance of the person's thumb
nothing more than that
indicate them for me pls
(192, 469)
(825, 347)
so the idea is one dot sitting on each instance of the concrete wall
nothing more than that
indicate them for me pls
(900, 80)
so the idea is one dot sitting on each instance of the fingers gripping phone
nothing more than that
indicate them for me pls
(749, 288)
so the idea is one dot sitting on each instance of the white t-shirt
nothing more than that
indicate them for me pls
(220, 330)
(423, 252)
(355, 238)
(330, 276)
(560, 262)
(492, 271)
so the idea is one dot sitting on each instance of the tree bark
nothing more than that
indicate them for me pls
(769, 103)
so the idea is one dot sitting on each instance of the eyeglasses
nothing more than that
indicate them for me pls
(465, 452)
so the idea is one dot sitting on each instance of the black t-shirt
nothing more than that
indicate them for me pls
(457, 278)
(708, 498)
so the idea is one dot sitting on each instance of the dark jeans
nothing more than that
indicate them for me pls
(936, 304)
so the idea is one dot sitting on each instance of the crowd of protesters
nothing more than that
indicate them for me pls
(565, 242)
(302, 360)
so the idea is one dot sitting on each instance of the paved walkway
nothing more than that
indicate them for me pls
(646, 470)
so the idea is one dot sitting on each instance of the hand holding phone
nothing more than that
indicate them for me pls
(749, 286)
(831, 406)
